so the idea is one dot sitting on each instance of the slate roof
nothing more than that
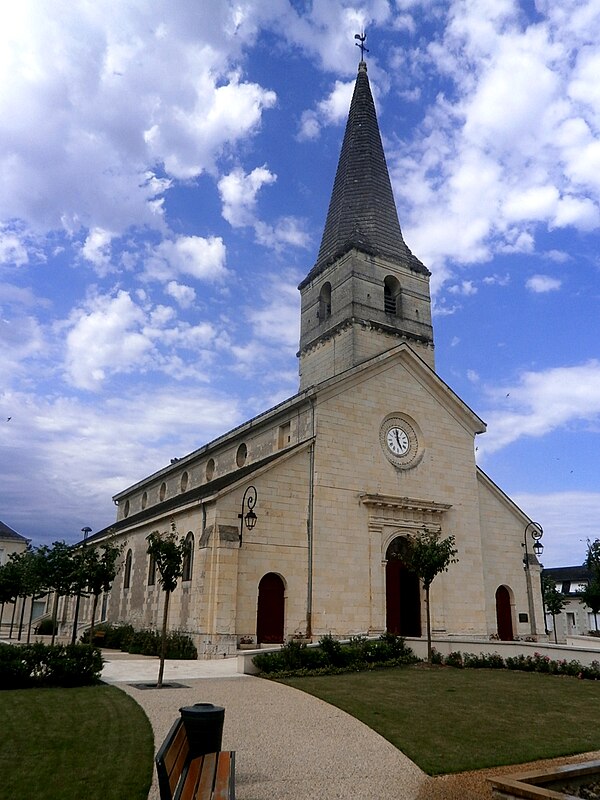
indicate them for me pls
(362, 212)
(8, 533)
(563, 577)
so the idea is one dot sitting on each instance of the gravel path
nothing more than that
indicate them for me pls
(288, 744)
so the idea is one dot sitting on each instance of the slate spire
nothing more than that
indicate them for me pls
(362, 212)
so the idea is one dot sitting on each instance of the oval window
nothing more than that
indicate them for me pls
(210, 469)
(241, 455)
(184, 481)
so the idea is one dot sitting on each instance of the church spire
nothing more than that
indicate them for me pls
(366, 292)
(362, 212)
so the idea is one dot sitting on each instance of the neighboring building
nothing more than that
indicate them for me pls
(374, 448)
(10, 542)
(576, 618)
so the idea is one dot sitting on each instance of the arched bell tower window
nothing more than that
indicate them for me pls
(325, 301)
(391, 295)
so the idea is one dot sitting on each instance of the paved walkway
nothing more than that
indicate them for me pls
(289, 745)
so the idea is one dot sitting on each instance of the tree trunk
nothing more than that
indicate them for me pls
(94, 608)
(12, 619)
(163, 641)
(30, 621)
(554, 626)
(76, 618)
(54, 616)
(429, 654)
(23, 599)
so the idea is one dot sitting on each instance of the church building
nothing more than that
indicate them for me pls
(298, 519)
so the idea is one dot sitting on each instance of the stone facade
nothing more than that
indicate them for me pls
(374, 448)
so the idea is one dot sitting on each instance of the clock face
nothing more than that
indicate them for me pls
(397, 441)
(400, 442)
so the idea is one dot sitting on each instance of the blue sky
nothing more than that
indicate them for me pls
(166, 174)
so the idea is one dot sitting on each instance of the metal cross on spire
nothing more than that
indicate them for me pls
(361, 43)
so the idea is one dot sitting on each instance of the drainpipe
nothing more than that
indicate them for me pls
(309, 526)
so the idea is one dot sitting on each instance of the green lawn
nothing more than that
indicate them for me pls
(92, 742)
(451, 720)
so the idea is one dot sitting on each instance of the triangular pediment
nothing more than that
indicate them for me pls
(405, 356)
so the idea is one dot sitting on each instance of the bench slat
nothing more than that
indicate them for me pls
(188, 792)
(208, 777)
(223, 789)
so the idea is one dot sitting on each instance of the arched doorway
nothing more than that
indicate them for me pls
(402, 592)
(504, 614)
(270, 613)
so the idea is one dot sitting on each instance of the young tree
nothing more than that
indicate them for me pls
(590, 597)
(60, 575)
(101, 569)
(36, 578)
(427, 556)
(10, 582)
(554, 601)
(592, 558)
(168, 551)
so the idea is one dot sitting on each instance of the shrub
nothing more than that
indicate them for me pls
(144, 642)
(49, 665)
(333, 650)
(332, 657)
(454, 660)
(180, 646)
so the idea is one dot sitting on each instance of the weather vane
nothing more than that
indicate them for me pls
(361, 43)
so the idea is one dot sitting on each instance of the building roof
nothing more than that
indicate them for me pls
(558, 574)
(362, 213)
(8, 533)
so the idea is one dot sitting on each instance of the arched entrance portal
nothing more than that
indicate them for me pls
(402, 592)
(504, 614)
(270, 613)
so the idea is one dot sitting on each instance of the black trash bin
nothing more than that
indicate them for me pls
(204, 727)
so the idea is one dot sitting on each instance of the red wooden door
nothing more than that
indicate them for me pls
(403, 597)
(504, 614)
(271, 612)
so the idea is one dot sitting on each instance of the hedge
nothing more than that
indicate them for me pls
(143, 642)
(334, 657)
(25, 666)
(530, 663)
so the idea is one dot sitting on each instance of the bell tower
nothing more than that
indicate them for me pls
(366, 292)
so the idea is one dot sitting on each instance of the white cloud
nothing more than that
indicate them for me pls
(105, 339)
(278, 322)
(184, 295)
(12, 249)
(96, 249)
(496, 158)
(565, 535)
(151, 427)
(113, 335)
(330, 111)
(543, 283)
(195, 256)
(542, 402)
(286, 232)
(89, 109)
(239, 192)
(558, 256)
(465, 288)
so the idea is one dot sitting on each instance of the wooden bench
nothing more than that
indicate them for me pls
(180, 777)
